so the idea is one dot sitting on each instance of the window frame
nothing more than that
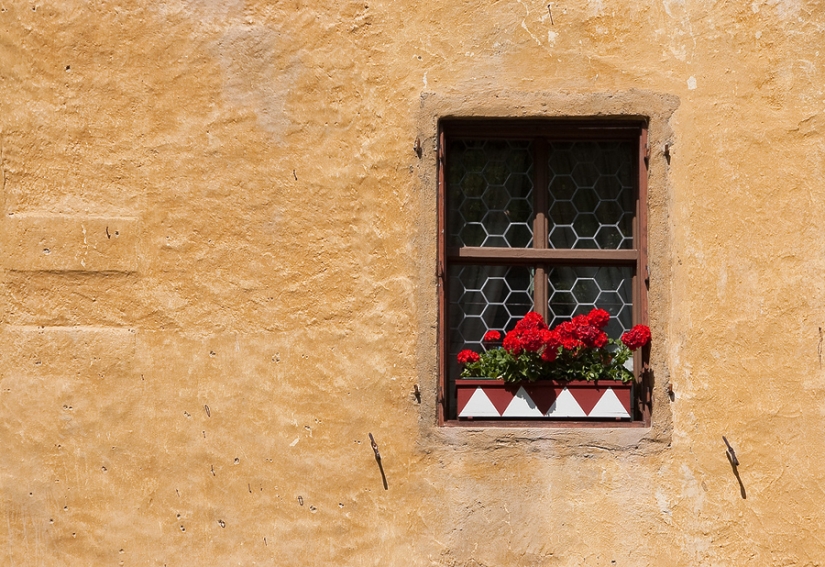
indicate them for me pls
(542, 131)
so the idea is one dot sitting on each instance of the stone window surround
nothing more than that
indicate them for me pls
(657, 110)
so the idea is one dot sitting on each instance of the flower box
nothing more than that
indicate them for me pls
(480, 398)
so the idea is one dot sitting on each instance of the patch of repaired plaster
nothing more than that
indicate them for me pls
(595, 8)
(215, 11)
(677, 37)
(786, 9)
(259, 74)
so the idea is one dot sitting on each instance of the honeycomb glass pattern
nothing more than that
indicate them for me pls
(576, 290)
(485, 298)
(490, 193)
(591, 197)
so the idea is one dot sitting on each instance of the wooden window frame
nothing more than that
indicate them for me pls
(632, 129)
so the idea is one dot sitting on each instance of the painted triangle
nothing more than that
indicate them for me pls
(479, 405)
(463, 396)
(609, 406)
(543, 394)
(501, 397)
(565, 406)
(587, 396)
(522, 406)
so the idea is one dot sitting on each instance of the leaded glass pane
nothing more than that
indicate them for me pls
(591, 198)
(485, 298)
(577, 290)
(490, 193)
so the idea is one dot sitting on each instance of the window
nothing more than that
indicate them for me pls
(546, 216)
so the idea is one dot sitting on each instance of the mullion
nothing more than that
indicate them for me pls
(541, 224)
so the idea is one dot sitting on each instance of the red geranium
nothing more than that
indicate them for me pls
(637, 337)
(552, 342)
(567, 336)
(531, 340)
(580, 321)
(467, 356)
(582, 329)
(599, 318)
(577, 349)
(591, 336)
(512, 343)
(526, 335)
(531, 321)
(492, 336)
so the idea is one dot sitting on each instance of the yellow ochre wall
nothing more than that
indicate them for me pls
(218, 276)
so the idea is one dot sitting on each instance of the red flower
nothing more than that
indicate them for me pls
(492, 336)
(531, 340)
(512, 343)
(567, 336)
(466, 356)
(591, 336)
(601, 340)
(580, 321)
(549, 354)
(531, 321)
(599, 318)
(637, 337)
(526, 335)
(552, 342)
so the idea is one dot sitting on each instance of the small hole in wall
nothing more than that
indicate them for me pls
(68, 67)
(46, 251)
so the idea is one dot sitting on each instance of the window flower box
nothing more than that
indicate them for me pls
(480, 398)
(573, 371)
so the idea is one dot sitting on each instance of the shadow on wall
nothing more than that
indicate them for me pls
(734, 465)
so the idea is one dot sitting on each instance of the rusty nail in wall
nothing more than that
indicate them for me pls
(375, 447)
(731, 453)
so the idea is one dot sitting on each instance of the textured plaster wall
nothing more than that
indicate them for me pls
(218, 277)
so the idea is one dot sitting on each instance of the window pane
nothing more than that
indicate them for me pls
(577, 290)
(591, 197)
(490, 193)
(485, 298)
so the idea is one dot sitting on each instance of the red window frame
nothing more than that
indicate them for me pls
(632, 129)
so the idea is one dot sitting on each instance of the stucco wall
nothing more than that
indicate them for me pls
(218, 251)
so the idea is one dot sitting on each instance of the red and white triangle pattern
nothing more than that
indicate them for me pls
(583, 403)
